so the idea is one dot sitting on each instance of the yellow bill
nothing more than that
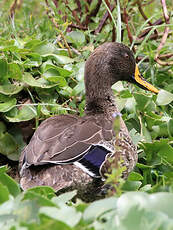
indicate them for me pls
(141, 81)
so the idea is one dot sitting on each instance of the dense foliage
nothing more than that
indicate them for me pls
(43, 48)
(39, 208)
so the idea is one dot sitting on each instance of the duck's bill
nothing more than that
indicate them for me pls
(142, 83)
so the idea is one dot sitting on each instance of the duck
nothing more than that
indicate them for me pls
(69, 152)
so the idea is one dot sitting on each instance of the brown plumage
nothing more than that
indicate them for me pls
(64, 150)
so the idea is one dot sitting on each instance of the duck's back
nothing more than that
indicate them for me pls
(64, 139)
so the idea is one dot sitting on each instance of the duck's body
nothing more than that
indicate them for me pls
(71, 170)
(70, 152)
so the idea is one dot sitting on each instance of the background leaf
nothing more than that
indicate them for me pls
(10, 185)
(10, 89)
(26, 113)
(6, 106)
(164, 97)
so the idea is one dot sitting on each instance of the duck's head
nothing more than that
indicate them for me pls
(109, 63)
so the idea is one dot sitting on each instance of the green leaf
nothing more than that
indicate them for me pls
(56, 79)
(10, 89)
(39, 198)
(170, 127)
(13, 151)
(78, 70)
(157, 150)
(33, 60)
(2, 127)
(118, 86)
(3, 169)
(159, 202)
(64, 198)
(40, 47)
(45, 191)
(41, 82)
(142, 101)
(52, 76)
(142, 166)
(146, 134)
(62, 213)
(6, 45)
(26, 113)
(59, 59)
(4, 194)
(16, 211)
(4, 69)
(151, 150)
(135, 216)
(7, 105)
(164, 97)
(8, 144)
(120, 102)
(72, 5)
(165, 203)
(136, 137)
(14, 71)
(166, 152)
(134, 176)
(76, 37)
(146, 188)
(78, 88)
(46, 221)
(131, 185)
(25, 211)
(131, 105)
(95, 209)
(61, 71)
(10, 184)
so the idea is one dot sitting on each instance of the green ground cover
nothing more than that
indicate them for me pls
(43, 49)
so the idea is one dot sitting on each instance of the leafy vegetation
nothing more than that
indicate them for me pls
(40, 208)
(43, 48)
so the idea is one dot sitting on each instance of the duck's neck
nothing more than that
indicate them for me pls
(99, 95)
(100, 102)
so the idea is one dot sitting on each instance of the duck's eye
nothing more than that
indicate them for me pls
(126, 55)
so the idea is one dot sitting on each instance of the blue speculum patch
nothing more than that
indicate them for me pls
(93, 160)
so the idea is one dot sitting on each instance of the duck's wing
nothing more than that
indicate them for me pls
(65, 139)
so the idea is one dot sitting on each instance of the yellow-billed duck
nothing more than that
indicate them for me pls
(70, 152)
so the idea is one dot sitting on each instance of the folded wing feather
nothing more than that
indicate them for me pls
(63, 139)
